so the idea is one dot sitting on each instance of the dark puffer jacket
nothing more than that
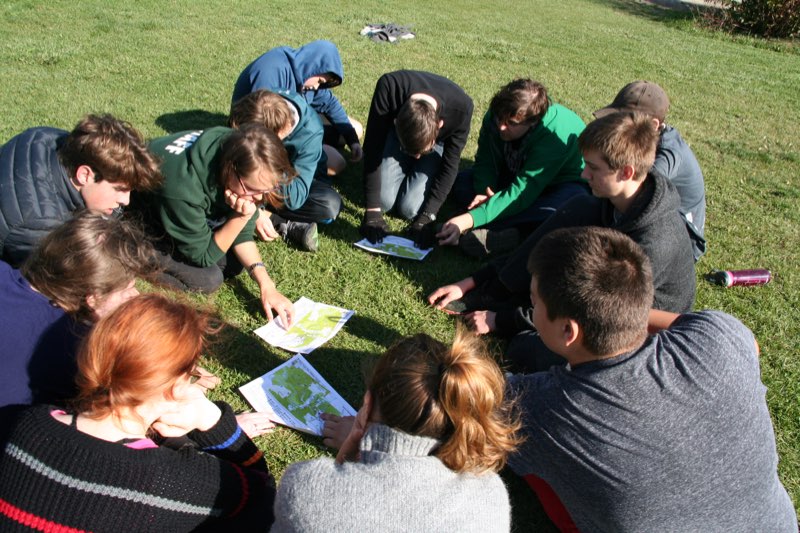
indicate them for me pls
(35, 193)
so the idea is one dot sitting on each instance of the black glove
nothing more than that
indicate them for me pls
(422, 232)
(373, 227)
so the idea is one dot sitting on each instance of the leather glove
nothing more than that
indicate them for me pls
(422, 232)
(373, 227)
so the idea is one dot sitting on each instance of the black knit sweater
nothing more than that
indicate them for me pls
(56, 478)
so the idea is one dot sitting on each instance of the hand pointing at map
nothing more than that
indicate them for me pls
(271, 299)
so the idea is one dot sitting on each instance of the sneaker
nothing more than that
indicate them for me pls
(482, 243)
(302, 234)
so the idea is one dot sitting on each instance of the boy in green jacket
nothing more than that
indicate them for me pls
(527, 165)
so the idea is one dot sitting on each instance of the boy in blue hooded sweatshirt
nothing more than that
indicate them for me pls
(311, 70)
(306, 199)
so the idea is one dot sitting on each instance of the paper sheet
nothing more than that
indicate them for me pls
(314, 324)
(294, 394)
(395, 246)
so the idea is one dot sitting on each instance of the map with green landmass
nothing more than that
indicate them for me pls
(319, 322)
(314, 324)
(296, 394)
(301, 395)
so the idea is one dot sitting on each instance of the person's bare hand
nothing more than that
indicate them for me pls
(449, 235)
(356, 152)
(206, 379)
(189, 410)
(336, 429)
(481, 322)
(255, 424)
(264, 228)
(271, 299)
(481, 198)
(350, 448)
(444, 295)
(453, 228)
(241, 205)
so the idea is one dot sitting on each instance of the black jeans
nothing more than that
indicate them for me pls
(180, 275)
(322, 205)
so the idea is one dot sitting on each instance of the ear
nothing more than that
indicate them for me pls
(83, 175)
(656, 123)
(627, 172)
(92, 301)
(571, 332)
(441, 123)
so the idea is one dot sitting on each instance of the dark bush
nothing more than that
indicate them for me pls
(767, 18)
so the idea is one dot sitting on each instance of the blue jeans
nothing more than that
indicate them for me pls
(404, 180)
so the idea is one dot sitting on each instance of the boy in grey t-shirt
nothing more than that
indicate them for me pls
(668, 432)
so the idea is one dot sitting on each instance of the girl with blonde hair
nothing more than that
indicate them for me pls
(422, 453)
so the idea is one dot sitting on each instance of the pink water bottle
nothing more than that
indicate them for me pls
(729, 278)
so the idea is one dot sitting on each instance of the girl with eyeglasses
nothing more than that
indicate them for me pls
(206, 210)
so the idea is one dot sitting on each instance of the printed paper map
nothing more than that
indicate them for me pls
(314, 324)
(395, 246)
(295, 394)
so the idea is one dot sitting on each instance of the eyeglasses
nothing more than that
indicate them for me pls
(250, 193)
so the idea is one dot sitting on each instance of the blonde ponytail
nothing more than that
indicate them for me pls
(453, 394)
(472, 394)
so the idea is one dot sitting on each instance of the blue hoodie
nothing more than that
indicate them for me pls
(304, 146)
(286, 69)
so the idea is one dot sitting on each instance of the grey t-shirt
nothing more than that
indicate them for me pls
(675, 436)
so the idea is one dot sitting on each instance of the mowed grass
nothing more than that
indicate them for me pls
(169, 66)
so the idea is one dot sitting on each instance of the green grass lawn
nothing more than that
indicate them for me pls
(169, 66)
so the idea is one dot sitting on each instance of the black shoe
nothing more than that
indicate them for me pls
(302, 234)
(483, 242)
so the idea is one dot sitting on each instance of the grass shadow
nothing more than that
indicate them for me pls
(190, 119)
(244, 353)
(665, 11)
(250, 300)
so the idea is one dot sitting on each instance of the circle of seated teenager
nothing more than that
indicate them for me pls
(311, 71)
(417, 128)
(204, 214)
(423, 449)
(627, 195)
(92, 466)
(307, 199)
(627, 436)
(47, 174)
(527, 165)
(80, 272)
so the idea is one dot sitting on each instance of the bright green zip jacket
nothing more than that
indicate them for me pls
(552, 157)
